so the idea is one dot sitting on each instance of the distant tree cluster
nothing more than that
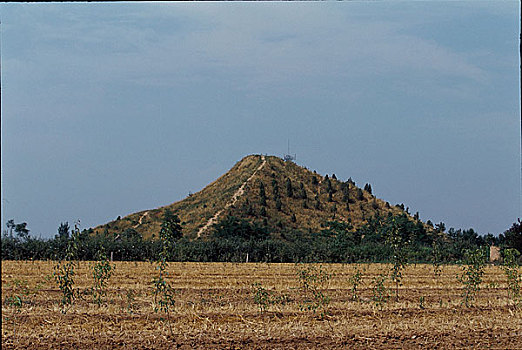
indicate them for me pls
(233, 237)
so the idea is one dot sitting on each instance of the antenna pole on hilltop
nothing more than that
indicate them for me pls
(288, 157)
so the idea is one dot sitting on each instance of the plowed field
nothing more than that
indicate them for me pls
(215, 308)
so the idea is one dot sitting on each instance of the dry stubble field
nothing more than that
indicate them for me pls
(215, 309)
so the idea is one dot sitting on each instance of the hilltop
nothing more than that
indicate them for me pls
(267, 190)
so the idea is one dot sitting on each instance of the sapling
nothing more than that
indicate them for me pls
(313, 279)
(472, 272)
(130, 298)
(355, 280)
(64, 270)
(436, 256)
(513, 275)
(163, 291)
(379, 290)
(261, 297)
(436, 259)
(421, 302)
(101, 273)
(396, 241)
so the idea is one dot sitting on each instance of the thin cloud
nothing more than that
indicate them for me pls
(274, 51)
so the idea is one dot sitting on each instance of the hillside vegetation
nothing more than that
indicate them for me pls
(295, 198)
(266, 209)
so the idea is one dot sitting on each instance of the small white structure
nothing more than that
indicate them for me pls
(494, 254)
(288, 157)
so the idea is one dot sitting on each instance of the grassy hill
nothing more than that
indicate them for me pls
(295, 198)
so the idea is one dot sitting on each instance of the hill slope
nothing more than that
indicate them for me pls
(294, 198)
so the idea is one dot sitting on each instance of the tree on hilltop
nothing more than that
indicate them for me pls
(302, 191)
(278, 204)
(262, 194)
(289, 189)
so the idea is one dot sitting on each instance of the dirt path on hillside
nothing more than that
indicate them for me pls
(141, 219)
(233, 200)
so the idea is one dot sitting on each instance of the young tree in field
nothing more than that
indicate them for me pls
(170, 231)
(472, 272)
(511, 270)
(64, 270)
(436, 254)
(397, 243)
(163, 292)
(102, 271)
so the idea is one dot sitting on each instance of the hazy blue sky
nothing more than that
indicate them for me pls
(113, 108)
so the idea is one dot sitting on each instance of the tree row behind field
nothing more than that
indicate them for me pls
(235, 239)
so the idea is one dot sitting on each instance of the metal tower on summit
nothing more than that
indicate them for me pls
(288, 157)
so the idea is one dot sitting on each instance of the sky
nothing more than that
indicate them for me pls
(112, 108)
